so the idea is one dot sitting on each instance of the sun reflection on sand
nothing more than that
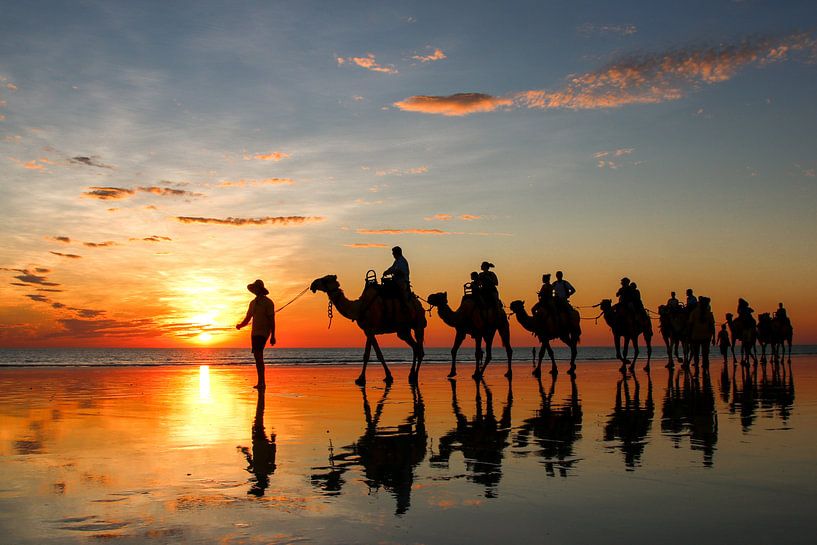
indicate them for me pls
(204, 382)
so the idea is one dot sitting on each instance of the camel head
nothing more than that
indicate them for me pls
(606, 304)
(327, 283)
(729, 317)
(438, 299)
(517, 307)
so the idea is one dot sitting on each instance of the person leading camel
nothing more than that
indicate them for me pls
(723, 342)
(262, 314)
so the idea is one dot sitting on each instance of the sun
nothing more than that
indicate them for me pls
(204, 338)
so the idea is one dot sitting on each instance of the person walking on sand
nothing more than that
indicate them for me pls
(262, 314)
(723, 342)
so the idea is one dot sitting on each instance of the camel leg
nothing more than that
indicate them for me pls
(406, 337)
(623, 355)
(573, 352)
(388, 379)
(732, 347)
(635, 353)
(419, 336)
(489, 344)
(361, 380)
(505, 337)
(553, 369)
(537, 371)
(617, 342)
(670, 347)
(477, 357)
(458, 338)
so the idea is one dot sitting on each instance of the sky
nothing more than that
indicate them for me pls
(157, 157)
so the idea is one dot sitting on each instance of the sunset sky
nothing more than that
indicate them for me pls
(156, 157)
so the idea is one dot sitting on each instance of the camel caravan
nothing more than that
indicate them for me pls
(388, 305)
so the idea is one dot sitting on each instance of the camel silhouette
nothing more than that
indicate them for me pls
(672, 324)
(547, 326)
(629, 326)
(743, 329)
(480, 323)
(377, 314)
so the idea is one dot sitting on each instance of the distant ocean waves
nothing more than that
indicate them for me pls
(114, 357)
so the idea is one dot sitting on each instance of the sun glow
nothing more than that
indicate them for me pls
(204, 338)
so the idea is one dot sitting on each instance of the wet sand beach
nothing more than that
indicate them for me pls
(193, 455)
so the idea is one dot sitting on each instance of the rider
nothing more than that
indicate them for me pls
(691, 300)
(545, 295)
(672, 302)
(399, 272)
(488, 282)
(744, 310)
(562, 289)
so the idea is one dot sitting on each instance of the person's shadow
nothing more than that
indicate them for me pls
(261, 458)
(481, 440)
(554, 429)
(630, 422)
(386, 454)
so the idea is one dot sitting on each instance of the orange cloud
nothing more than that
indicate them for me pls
(168, 192)
(70, 256)
(403, 232)
(645, 79)
(269, 220)
(459, 104)
(108, 193)
(66, 240)
(662, 77)
(402, 172)
(438, 55)
(255, 183)
(440, 217)
(272, 156)
(152, 238)
(105, 244)
(365, 245)
(369, 62)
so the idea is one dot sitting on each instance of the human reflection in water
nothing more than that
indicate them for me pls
(261, 459)
(555, 429)
(630, 421)
(771, 393)
(481, 440)
(387, 454)
(689, 409)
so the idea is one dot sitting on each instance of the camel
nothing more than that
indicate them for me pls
(624, 325)
(784, 332)
(767, 336)
(480, 323)
(744, 328)
(547, 327)
(377, 315)
(673, 327)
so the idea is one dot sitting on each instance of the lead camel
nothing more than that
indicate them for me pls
(378, 315)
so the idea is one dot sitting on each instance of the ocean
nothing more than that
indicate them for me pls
(118, 357)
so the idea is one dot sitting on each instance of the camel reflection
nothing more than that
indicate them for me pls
(630, 422)
(387, 454)
(481, 440)
(689, 410)
(771, 393)
(261, 459)
(555, 429)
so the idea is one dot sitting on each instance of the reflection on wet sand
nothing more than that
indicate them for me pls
(554, 428)
(388, 455)
(261, 459)
(689, 409)
(481, 440)
(772, 392)
(630, 422)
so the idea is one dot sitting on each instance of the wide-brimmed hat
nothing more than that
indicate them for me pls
(258, 288)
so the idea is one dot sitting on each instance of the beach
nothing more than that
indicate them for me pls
(193, 454)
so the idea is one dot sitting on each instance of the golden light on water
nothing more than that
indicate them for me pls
(204, 382)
